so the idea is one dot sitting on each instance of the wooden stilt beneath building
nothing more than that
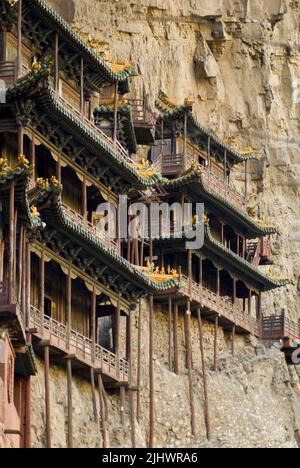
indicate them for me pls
(70, 401)
(189, 366)
(170, 334)
(139, 366)
(130, 391)
(94, 400)
(103, 414)
(175, 340)
(151, 374)
(46, 344)
(216, 344)
(233, 340)
(205, 387)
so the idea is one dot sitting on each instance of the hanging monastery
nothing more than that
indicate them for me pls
(69, 135)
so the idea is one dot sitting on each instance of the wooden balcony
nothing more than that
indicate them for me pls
(176, 165)
(144, 121)
(12, 315)
(212, 305)
(115, 147)
(77, 218)
(276, 327)
(63, 343)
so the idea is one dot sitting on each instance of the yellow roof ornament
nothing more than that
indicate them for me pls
(34, 212)
(22, 161)
(3, 166)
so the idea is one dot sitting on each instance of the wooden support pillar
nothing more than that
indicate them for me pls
(33, 154)
(216, 343)
(116, 114)
(95, 410)
(246, 178)
(185, 140)
(234, 291)
(42, 289)
(189, 366)
(201, 271)
(139, 365)
(11, 253)
(150, 234)
(238, 244)
(250, 303)
(58, 168)
(82, 100)
(222, 233)
(93, 322)
(117, 329)
(27, 435)
(102, 412)
(208, 153)
(69, 307)
(205, 386)
(151, 374)
(28, 283)
(130, 382)
(175, 339)
(259, 306)
(56, 62)
(20, 140)
(70, 402)
(233, 340)
(170, 333)
(47, 396)
(19, 40)
(84, 198)
(218, 281)
(122, 405)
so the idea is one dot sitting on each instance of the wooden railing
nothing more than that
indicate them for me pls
(179, 163)
(220, 305)
(142, 115)
(79, 344)
(79, 219)
(115, 146)
(280, 326)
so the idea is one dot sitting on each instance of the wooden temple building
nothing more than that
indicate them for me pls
(68, 137)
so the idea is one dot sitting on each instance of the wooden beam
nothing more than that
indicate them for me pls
(151, 374)
(93, 322)
(47, 396)
(42, 289)
(234, 291)
(187, 319)
(84, 198)
(216, 343)
(28, 407)
(70, 402)
(233, 340)
(116, 115)
(102, 413)
(130, 383)
(82, 101)
(205, 386)
(28, 283)
(94, 401)
(11, 252)
(19, 39)
(170, 333)
(69, 307)
(139, 364)
(250, 302)
(175, 339)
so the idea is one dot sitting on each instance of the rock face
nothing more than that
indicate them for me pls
(239, 61)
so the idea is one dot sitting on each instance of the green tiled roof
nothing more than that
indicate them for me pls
(52, 212)
(125, 119)
(27, 86)
(172, 112)
(21, 175)
(193, 180)
(223, 255)
(49, 16)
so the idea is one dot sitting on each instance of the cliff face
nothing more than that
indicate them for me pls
(239, 61)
